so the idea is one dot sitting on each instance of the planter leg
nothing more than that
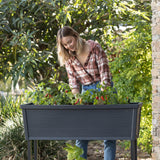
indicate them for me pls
(134, 149)
(29, 150)
(35, 149)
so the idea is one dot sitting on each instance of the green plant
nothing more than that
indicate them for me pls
(52, 94)
(74, 152)
(126, 144)
(5, 86)
(12, 141)
(145, 137)
(9, 106)
(61, 94)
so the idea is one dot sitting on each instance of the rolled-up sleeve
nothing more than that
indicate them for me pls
(73, 82)
(103, 66)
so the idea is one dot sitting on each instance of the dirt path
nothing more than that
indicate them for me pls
(95, 152)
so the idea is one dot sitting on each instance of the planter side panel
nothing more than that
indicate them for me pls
(81, 124)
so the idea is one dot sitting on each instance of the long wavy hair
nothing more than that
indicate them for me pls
(63, 53)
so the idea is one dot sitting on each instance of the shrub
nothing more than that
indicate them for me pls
(9, 106)
(12, 141)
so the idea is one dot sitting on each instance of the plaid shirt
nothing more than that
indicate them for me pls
(95, 68)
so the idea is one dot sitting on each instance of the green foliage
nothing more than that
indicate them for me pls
(145, 137)
(12, 141)
(28, 32)
(131, 70)
(52, 94)
(9, 107)
(74, 152)
(28, 39)
(61, 94)
(131, 62)
(5, 86)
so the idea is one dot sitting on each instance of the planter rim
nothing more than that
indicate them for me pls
(79, 107)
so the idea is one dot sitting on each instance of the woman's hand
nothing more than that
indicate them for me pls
(103, 88)
(75, 91)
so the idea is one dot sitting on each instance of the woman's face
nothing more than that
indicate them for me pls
(70, 43)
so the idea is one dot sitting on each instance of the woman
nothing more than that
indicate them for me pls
(86, 65)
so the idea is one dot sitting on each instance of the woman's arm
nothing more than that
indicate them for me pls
(73, 82)
(103, 67)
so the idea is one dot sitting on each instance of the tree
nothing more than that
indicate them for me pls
(28, 32)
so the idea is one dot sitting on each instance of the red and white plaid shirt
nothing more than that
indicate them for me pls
(95, 68)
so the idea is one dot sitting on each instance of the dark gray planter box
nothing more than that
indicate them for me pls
(90, 122)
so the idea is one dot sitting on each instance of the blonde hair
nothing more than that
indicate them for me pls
(63, 54)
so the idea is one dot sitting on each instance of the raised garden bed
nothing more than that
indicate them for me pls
(90, 122)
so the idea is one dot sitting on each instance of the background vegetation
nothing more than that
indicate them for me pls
(28, 57)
